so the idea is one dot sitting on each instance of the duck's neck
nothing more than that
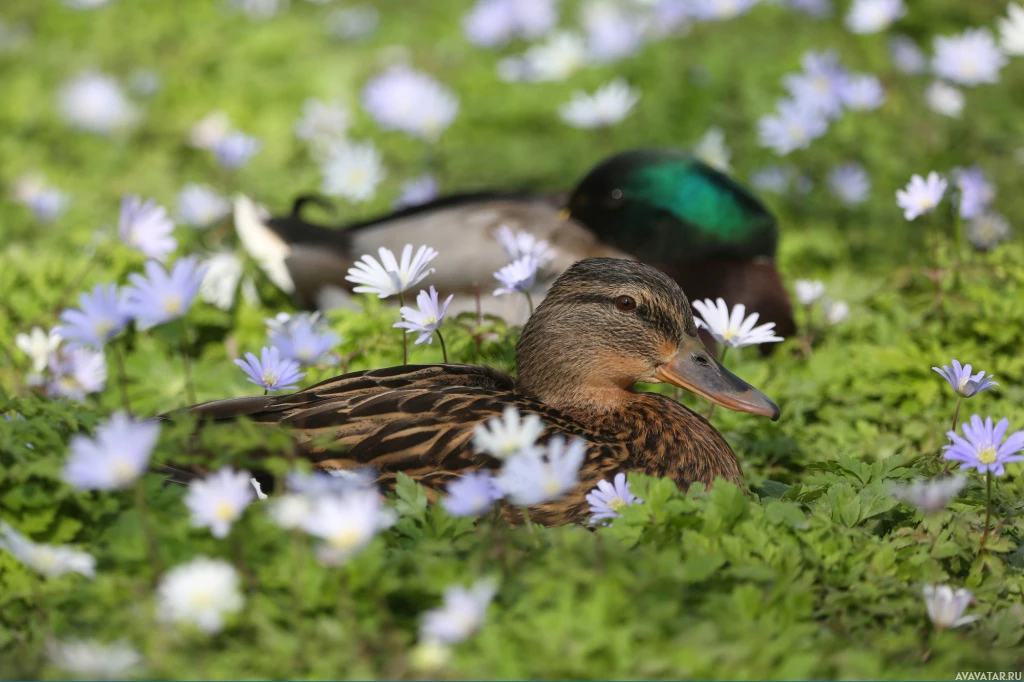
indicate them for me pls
(666, 439)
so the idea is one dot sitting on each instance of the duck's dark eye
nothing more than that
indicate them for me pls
(701, 360)
(626, 303)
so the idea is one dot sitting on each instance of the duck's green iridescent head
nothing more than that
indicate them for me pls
(663, 205)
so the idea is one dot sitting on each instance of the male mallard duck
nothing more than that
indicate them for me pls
(659, 206)
(605, 325)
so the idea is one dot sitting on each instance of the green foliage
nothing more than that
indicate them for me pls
(816, 573)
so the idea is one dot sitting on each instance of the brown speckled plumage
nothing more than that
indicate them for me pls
(419, 419)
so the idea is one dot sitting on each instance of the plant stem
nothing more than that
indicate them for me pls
(152, 548)
(956, 412)
(526, 518)
(444, 350)
(190, 388)
(122, 378)
(988, 509)
(529, 301)
(405, 339)
(958, 231)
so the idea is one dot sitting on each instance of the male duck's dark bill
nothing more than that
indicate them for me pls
(696, 370)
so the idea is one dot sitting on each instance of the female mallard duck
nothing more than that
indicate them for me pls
(605, 325)
(662, 207)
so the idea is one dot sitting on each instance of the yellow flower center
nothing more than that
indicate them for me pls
(345, 540)
(987, 455)
(616, 504)
(102, 328)
(123, 471)
(201, 599)
(224, 511)
(173, 305)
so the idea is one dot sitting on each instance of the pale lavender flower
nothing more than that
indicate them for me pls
(235, 149)
(410, 101)
(428, 318)
(734, 327)
(521, 243)
(493, 23)
(719, 10)
(322, 121)
(970, 58)
(99, 318)
(461, 615)
(471, 494)
(304, 339)
(982, 446)
(930, 496)
(946, 607)
(906, 56)
(821, 84)
(76, 373)
(850, 183)
(774, 179)
(608, 499)
(352, 23)
(201, 205)
(218, 500)
(95, 103)
(517, 276)
(418, 191)
(960, 379)
(611, 32)
(270, 371)
(47, 203)
(259, 10)
(818, 9)
(389, 276)
(793, 127)
(921, 196)
(47, 560)
(987, 231)
(145, 227)
(976, 193)
(162, 296)
(873, 16)
(115, 458)
(863, 92)
(542, 475)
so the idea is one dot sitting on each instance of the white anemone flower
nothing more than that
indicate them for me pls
(712, 150)
(352, 170)
(733, 328)
(557, 58)
(836, 312)
(201, 592)
(945, 99)
(508, 435)
(873, 16)
(1011, 30)
(115, 458)
(808, 291)
(210, 130)
(609, 105)
(541, 475)
(946, 607)
(38, 345)
(89, 659)
(460, 616)
(218, 500)
(347, 523)
(389, 276)
(930, 496)
(322, 121)
(221, 276)
(48, 560)
(921, 196)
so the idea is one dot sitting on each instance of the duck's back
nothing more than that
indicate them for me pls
(415, 419)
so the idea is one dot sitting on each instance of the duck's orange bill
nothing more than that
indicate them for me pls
(696, 370)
